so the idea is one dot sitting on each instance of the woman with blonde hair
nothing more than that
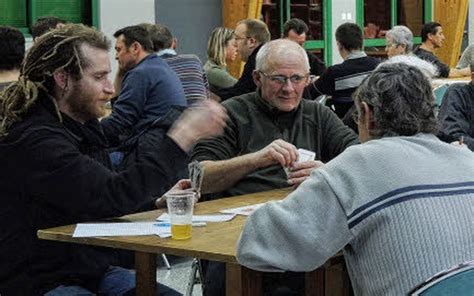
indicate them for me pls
(221, 49)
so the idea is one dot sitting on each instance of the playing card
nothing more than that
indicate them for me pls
(196, 173)
(305, 155)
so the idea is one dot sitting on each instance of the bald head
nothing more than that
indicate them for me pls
(279, 50)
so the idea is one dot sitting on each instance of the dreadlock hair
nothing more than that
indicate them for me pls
(59, 49)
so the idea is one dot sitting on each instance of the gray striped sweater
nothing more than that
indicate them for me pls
(401, 208)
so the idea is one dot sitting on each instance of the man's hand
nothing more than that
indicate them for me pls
(278, 151)
(182, 185)
(298, 172)
(205, 120)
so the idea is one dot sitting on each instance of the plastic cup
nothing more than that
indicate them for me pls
(180, 208)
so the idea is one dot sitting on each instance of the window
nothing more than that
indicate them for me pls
(23, 13)
(313, 12)
(376, 17)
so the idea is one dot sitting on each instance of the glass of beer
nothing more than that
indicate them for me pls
(180, 208)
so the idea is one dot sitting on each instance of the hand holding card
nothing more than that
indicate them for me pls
(196, 173)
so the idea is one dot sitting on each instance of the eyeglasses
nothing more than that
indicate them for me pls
(388, 45)
(282, 79)
(237, 37)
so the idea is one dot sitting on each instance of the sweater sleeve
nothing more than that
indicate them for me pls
(299, 233)
(220, 78)
(325, 85)
(128, 107)
(66, 180)
(218, 148)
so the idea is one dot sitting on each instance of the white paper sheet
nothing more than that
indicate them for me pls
(245, 210)
(201, 218)
(120, 229)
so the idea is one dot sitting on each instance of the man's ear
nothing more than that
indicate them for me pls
(430, 36)
(174, 44)
(256, 78)
(135, 47)
(61, 78)
(252, 42)
(368, 116)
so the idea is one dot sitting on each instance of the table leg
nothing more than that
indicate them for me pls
(337, 280)
(314, 282)
(242, 281)
(145, 266)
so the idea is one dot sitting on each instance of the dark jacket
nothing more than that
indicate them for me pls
(317, 67)
(443, 69)
(245, 84)
(53, 174)
(456, 114)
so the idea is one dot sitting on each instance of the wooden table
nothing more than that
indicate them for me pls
(216, 241)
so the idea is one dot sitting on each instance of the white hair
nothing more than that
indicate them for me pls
(279, 49)
(401, 35)
(425, 67)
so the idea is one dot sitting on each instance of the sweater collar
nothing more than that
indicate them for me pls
(356, 54)
(166, 51)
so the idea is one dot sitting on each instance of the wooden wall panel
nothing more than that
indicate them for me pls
(451, 14)
(233, 12)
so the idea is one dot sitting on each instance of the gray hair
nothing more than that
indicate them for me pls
(401, 35)
(402, 101)
(277, 50)
(427, 68)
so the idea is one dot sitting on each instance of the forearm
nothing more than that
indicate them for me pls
(460, 72)
(222, 174)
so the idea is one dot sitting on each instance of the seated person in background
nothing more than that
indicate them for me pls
(51, 175)
(467, 57)
(12, 51)
(432, 37)
(456, 114)
(340, 81)
(45, 24)
(296, 30)
(372, 31)
(148, 90)
(221, 50)
(188, 67)
(399, 48)
(263, 132)
(399, 210)
(249, 35)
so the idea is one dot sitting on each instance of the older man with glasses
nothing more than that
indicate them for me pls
(259, 148)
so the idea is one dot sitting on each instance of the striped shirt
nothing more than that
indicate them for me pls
(189, 69)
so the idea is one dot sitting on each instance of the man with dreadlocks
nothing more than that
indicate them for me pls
(51, 175)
